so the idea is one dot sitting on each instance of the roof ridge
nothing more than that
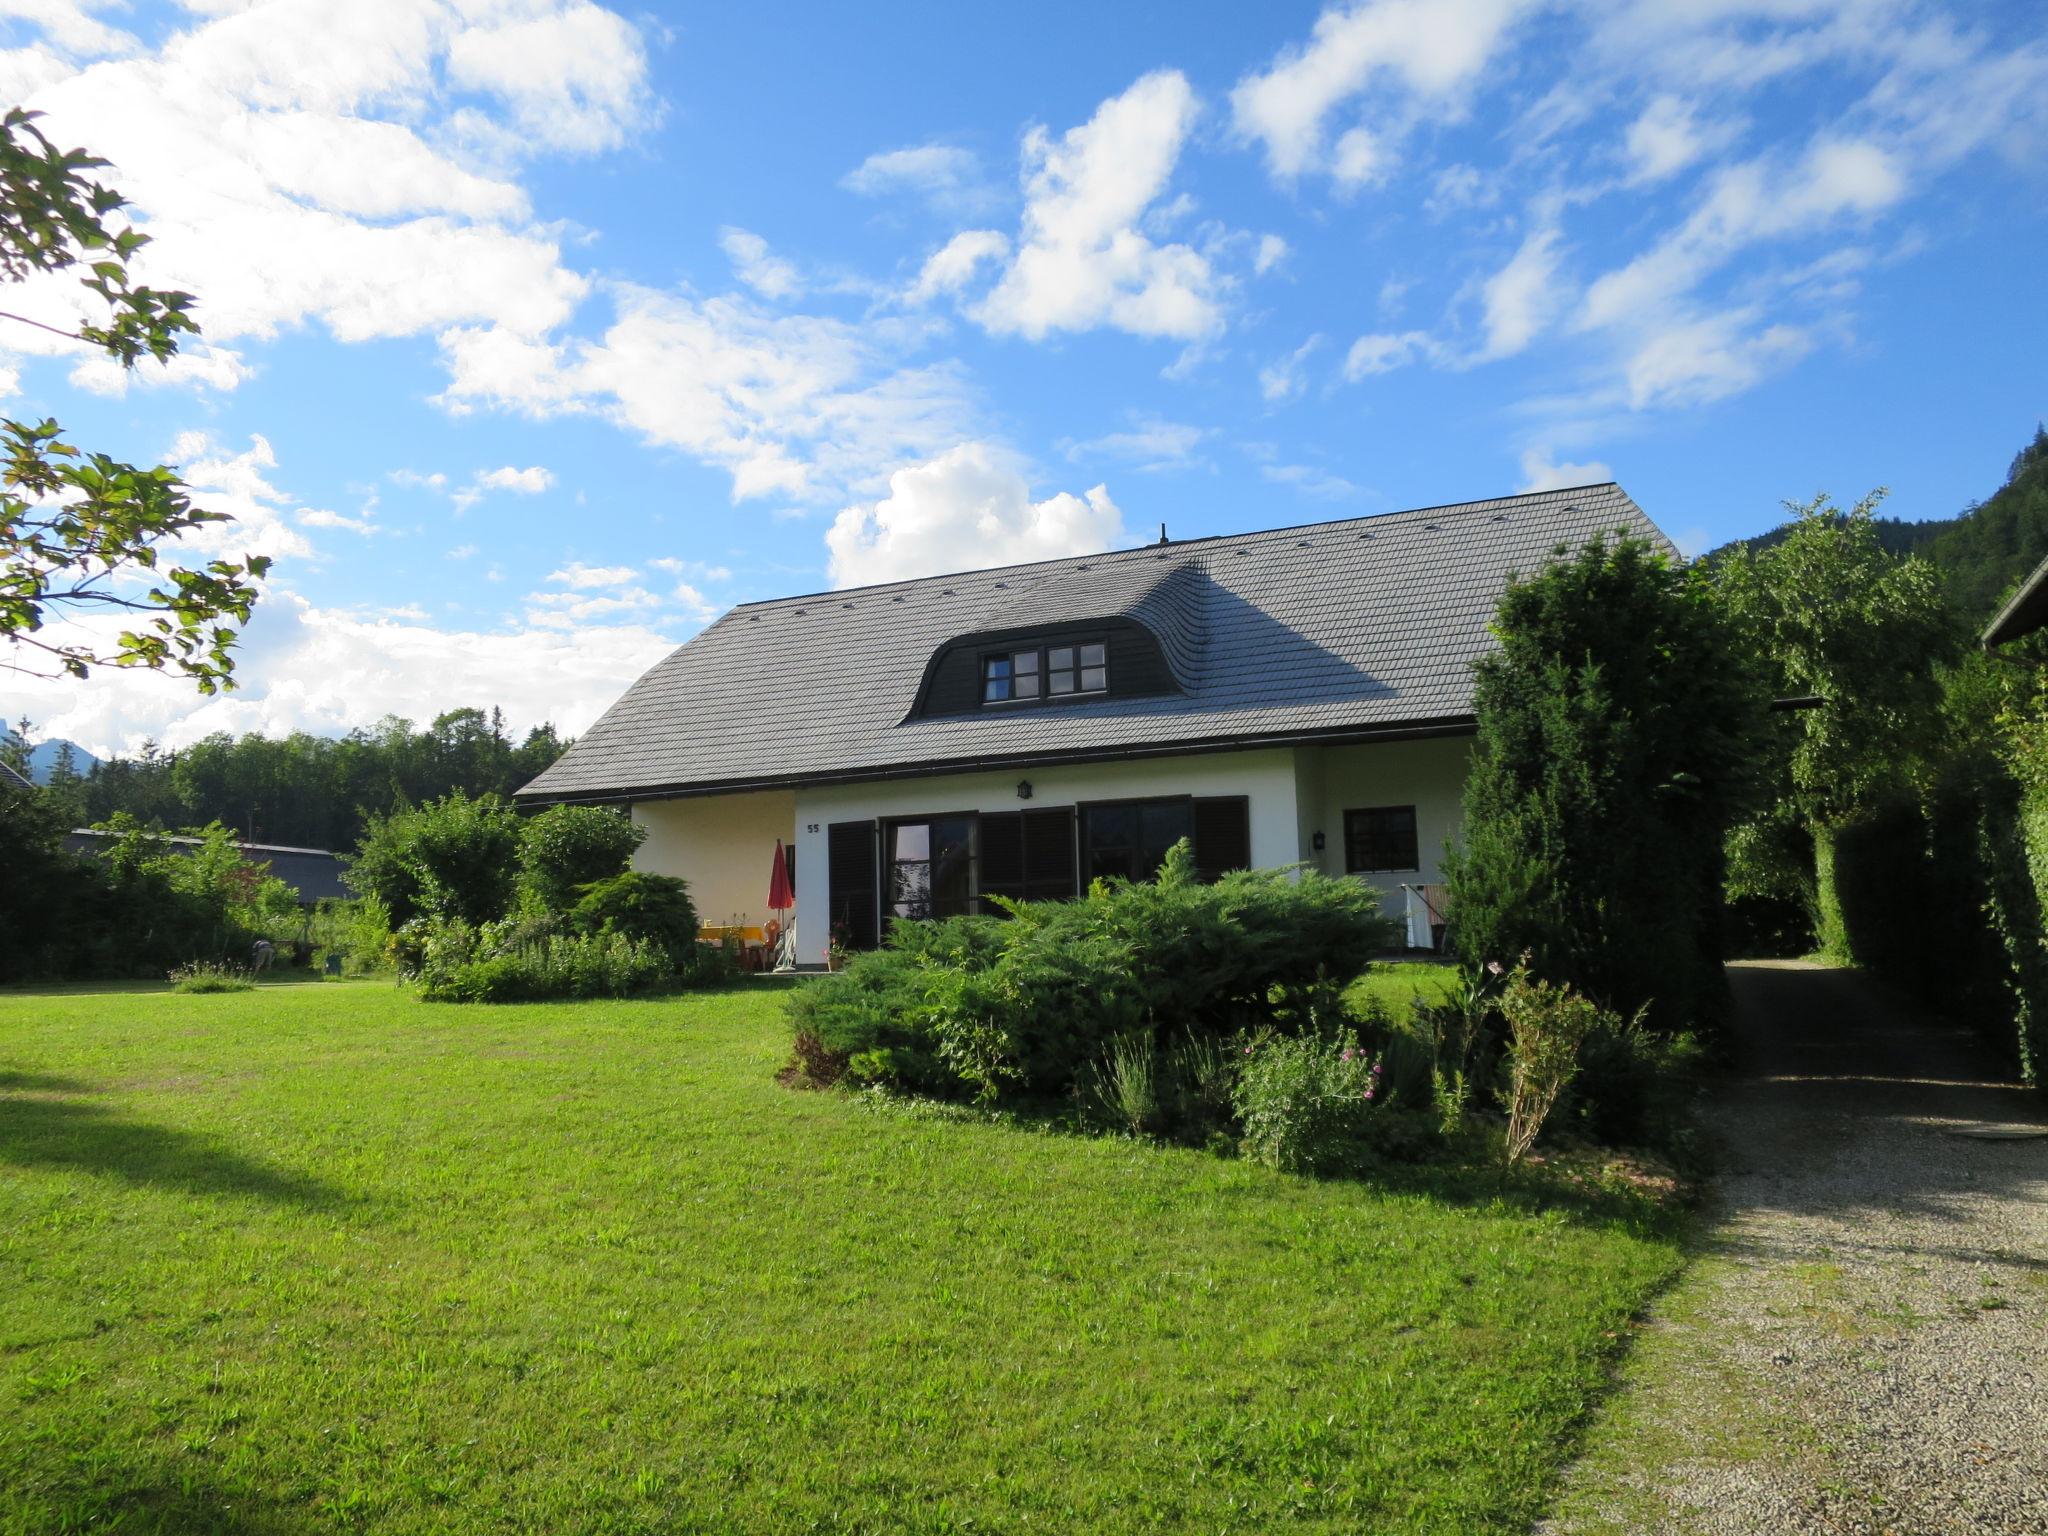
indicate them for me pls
(1442, 508)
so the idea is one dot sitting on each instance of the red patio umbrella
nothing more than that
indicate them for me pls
(780, 898)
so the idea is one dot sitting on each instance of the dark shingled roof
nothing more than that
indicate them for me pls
(13, 778)
(1363, 627)
(2024, 612)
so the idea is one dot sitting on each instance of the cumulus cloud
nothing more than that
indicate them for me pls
(583, 578)
(1310, 481)
(1668, 137)
(968, 508)
(1383, 352)
(530, 481)
(1410, 55)
(341, 165)
(1083, 259)
(804, 408)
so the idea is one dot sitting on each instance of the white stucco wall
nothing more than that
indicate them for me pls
(1267, 777)
(723, 845)
(1429, 775)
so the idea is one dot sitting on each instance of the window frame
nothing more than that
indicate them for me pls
(886, 864)
(1352, 866)
(1005, 657)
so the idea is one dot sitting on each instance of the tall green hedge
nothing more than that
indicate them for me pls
(1944, 897)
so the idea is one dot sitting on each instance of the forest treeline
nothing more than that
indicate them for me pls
(303, 790)
(1983, 551)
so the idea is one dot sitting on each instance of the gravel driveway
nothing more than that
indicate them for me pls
(1863, 1346)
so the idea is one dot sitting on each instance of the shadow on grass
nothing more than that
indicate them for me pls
(158, 1499)
(45, 1124)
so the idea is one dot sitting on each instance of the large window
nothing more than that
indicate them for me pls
(931, 867)
(1129, 840)
(1380, 839)
(1028, 675)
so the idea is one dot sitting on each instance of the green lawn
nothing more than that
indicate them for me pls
(1400, 984)
(325, 1258)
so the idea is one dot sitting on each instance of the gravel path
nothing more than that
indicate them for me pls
(1863, 1346)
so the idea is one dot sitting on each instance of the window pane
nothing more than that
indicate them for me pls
(1093, 680)
(1023, 662)
(1060, 656)
(1061, 682)
(1027, 685)
(995, 690)
(1091, 656)
(912, 842)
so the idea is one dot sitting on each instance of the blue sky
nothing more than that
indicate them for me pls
(540, 332)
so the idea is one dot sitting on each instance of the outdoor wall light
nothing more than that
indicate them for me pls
(1023, 789)
(1316, 842)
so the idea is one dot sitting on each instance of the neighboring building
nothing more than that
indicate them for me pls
(313, 872)
(12, 777)
(2024, 612)
(1302, 695)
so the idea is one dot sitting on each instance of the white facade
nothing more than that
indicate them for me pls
(723, 844)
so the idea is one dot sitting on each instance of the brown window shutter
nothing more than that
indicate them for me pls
(1223, 835)
(850, 882)
(1049, 854)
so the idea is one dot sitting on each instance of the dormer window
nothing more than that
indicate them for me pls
(1009, 676)
(1076, 669)
(1030, 675)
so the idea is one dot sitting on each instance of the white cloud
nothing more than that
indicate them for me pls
(305, 667)
(1271, 252)
(952, 266)
(1152, 444)
(1703, 358)
(968, 508)
(798, 407)
(1360, 160)
(1522, 296)
(1082, 260)
(1539, 473)
(463, 551)
(1420, 50)
(1668, 137)
(345, 165)
(584, 578)
(1285, 379)
(1309, 481)
(945, 175)
(530, 481)
(221, 480)
(697, 568)
(759, 267)
(573, 74)
(1754, 201)
(564, 610)
(1384, 352)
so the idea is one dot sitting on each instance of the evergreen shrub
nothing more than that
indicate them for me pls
(997, 1008)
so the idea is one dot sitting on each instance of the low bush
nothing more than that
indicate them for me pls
(1547, 1023)
(653, 908)
(497, 964)
(1305, 1102)
(211, 976)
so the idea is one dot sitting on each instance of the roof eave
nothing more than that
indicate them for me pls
(1414, 730)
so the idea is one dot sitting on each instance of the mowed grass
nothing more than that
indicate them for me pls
(325, 1258)
(1401, 984)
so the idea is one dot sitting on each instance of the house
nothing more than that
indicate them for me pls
(12, 777)
(1300, 695)
(313, 872)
